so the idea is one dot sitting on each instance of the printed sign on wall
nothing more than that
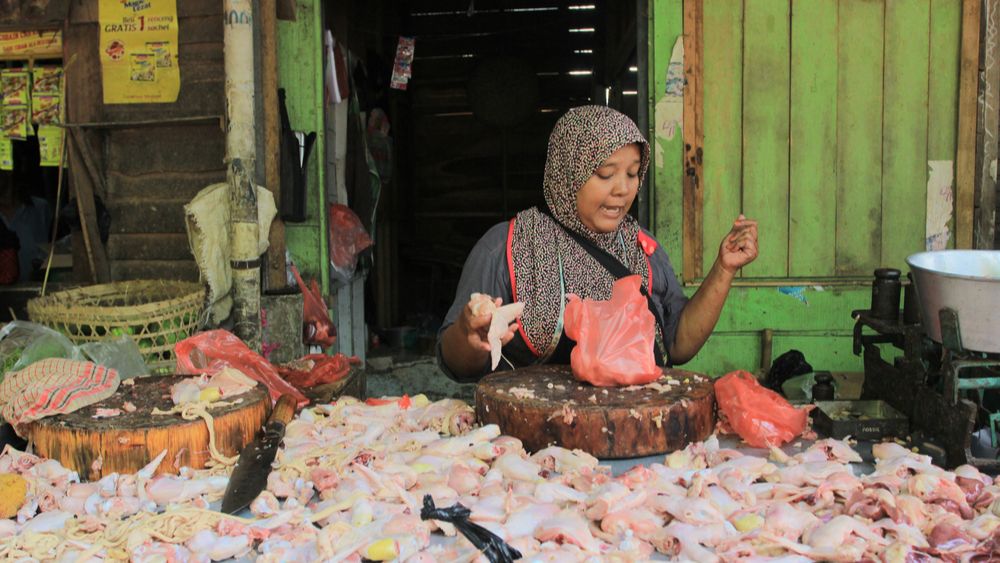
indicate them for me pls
(139, 51)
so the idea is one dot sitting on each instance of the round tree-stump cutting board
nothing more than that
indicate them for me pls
(545, 405)
(95, 447)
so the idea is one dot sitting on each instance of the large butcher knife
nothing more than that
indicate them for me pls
(249, 477)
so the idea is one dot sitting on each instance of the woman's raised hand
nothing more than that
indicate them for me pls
(739, 247)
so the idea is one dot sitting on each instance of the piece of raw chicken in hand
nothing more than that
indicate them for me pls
(483, 304)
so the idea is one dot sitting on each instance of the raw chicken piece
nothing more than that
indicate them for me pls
(639, 520)
(693, 510)
(691, 543)
(557, 492)
(837, 532)
(514, 467)
(561, 460)
(156, 552)
(829, 450)
(524, 520)
(786, 521)
(604, 498)
(209, 544)
(569, 527)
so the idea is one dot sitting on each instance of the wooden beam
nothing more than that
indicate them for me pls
(965, 159)
(989, 104)
(275, 275)
(693, 134)
(100, 271)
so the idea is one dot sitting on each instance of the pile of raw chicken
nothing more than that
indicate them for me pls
(349, 482)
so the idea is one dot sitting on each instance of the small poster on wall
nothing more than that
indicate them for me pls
(14, 124)
(6, 154)
(138, 51)
(14, 87)
(49, 141)
(46, 79)
(45, 109)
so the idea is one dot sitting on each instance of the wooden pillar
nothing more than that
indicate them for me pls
(241, 159)
(275, 277)
(965, 159)
(989, 103)
(693, 191)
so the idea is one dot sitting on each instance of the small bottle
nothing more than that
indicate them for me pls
(823, 389)
(885, 294)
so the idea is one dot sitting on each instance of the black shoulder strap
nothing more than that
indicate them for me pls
(619, 271)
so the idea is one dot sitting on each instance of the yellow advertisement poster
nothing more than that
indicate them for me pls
(139, 51)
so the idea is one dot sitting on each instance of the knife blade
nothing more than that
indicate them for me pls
(249, 477)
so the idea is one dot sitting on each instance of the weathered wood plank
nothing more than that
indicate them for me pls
(84, 189)
(812, 199)
(965, 160)
(196, 98)
(986, 185)
(723, 155)
(159, 246)
(154, 269)
(275, 275)
(859, 137)
(904, 140)
(942, 95)
(179, 148)
(765, 131)
(159, 186)
(147, 216)
(693, 139)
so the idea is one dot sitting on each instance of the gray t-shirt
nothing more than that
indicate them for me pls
(486, 271)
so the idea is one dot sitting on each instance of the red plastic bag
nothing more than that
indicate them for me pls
(614, 338)
(211, 351)
(760, 416)
(317, 369)
(319, 328)
(347, 239)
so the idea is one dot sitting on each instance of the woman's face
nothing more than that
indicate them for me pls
(607, 196)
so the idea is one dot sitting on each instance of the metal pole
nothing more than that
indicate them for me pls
(240, 169)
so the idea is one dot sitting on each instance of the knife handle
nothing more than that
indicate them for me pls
(284, 410)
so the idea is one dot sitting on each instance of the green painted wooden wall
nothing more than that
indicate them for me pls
(820, 118)
(300, 73)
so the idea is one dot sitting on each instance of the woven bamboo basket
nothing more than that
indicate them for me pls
(156, 314)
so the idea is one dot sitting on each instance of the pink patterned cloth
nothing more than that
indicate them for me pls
(54, 386)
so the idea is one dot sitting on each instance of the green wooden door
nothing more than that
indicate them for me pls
(823, 120)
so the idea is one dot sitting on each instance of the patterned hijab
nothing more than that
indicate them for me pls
(580, 142)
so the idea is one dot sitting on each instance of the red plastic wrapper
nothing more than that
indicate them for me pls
(348, 239)
(319, 327)
(317, 369)
(211, 351)
(614, 338)
(761, 417)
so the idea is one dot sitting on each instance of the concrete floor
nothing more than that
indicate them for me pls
(411, 374)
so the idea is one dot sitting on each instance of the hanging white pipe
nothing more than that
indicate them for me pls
(240, 169)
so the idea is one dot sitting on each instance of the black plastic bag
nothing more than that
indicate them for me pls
(494, 548)
(785, 367)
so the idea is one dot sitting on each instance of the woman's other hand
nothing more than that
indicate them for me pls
(739, 247)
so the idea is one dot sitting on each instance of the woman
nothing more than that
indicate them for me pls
(596, 161)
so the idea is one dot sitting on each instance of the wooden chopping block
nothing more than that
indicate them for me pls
(95, 447)
(546, 405)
